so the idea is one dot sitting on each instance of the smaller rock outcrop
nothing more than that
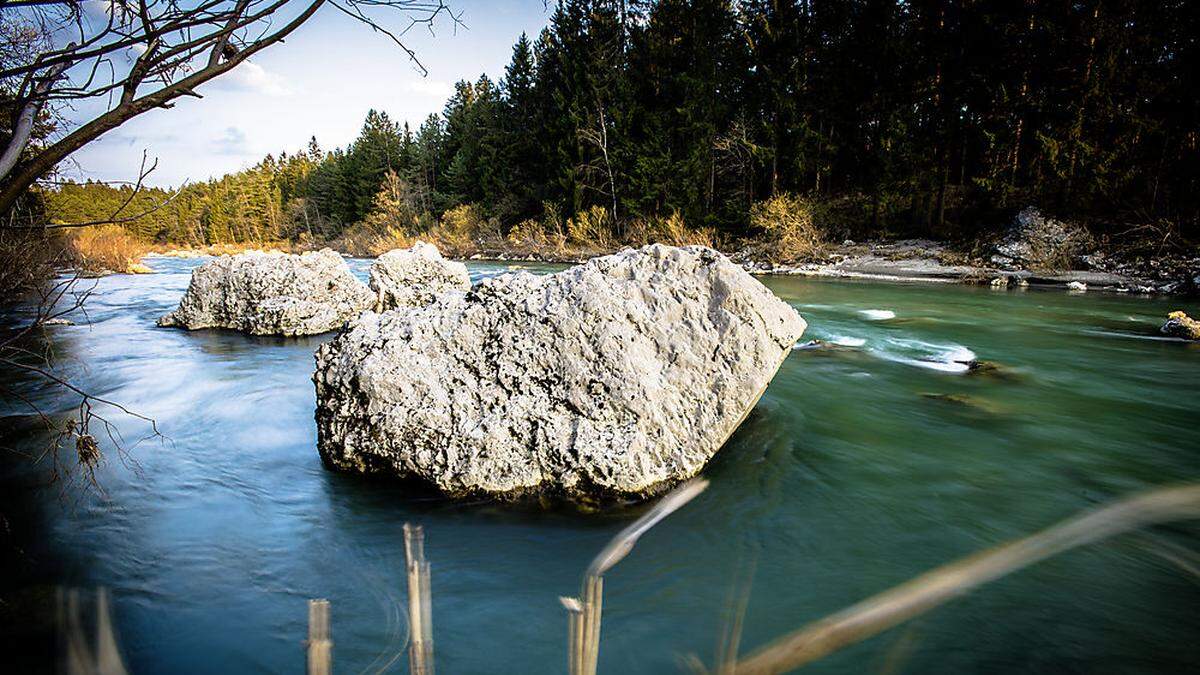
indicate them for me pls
(1034, 241)
(414, 277)
(272, 294)
(1181, 325)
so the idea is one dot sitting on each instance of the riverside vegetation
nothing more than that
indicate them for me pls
(778, 128)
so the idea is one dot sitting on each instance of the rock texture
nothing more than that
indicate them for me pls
(1034, 241)
(414, 277)
(611, 380)
(1182, 326)
(272, 294)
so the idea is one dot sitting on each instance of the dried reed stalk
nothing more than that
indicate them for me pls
(420, 615)
(584, 613)
(320, 646)
(892, 607)
(76, 654)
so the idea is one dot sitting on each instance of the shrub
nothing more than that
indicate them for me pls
(105, 248)
(395, 207)
(786, 222)
(591, 229)
(1041, 243)
(28, 257)
(459, 227)
(671, 230)
(371, 239)
(532, 237)
(1062, 249)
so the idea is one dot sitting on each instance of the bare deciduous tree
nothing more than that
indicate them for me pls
(138, 55)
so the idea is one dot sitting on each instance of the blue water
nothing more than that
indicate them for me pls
(850, 476)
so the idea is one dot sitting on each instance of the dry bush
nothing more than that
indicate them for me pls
(457, 228)
(786, 222)
(1061, 250)
(462, 229)
(531, 237)
(105, 248)
(29, 258)
(672, 231)
(1040, 243)
(396, 206)
(365, 240)
(591, 230)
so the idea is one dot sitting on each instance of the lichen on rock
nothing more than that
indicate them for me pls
(611, 380)
(1181, 325)
(272, 294)
(413, 277)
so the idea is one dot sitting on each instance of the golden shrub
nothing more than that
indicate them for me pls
(786, 221)
(106, 248)
(591, 229)
(671, 230)
(533, 237)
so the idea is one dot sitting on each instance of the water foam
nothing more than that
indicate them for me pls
(944, 358)
(877, 314)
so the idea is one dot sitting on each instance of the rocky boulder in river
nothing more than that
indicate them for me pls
(1181, 325)
(413, 277)
(272, 294)
(611, 380)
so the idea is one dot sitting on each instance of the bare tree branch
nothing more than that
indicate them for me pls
(179, 47)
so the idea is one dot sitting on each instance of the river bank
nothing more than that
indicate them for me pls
(905, 260)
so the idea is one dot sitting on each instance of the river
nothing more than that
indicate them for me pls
(860, 467)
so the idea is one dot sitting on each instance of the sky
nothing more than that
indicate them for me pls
(321, 82)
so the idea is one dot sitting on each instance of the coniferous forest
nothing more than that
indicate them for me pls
(881, 118)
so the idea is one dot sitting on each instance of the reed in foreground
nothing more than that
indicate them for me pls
(420, 621)
(932, 589)
(584, 613)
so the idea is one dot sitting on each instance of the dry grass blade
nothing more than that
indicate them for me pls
(584, 614)
(735, 614)
(320, 646)
(915, 597)
(420, 648)
(87, 647)
(623, 543)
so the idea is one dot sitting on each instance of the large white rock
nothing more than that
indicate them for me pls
(611, 380)
(413, 277)
(272, 294)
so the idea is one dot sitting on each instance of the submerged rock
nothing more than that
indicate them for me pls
(988, 368)
(272, 294)
(611, 380)
(965, 401)
(414, 277)
(1182, 326)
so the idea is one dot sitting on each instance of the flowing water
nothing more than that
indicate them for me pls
(862, 466)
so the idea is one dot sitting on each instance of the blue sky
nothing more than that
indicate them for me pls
(321, 82)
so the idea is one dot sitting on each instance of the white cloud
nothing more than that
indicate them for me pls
(253, 78)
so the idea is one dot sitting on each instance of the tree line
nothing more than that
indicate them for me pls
(927, 117)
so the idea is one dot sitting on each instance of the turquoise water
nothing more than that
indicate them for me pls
(861, 467)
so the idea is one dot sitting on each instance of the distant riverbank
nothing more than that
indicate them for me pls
(906, 260)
